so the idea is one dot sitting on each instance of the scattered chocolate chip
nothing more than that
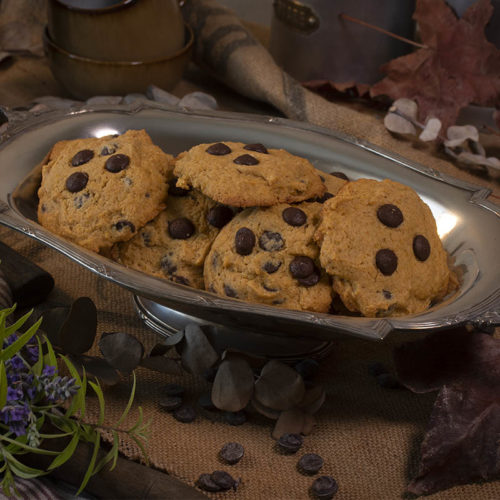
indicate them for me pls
(340, 175)
(232, 453)
(311, 280)
(218, 149)
(167, 266)
(170, 403)
(181, 280)
(223, 479)
(174, 390)
(44, 207)
(205, 402)
(76, 182)
(83, 156)
(386, 261)
(246, 160)
(310, 463)
(387, 294)
(271, 242)
(78, 201)
(235, 417)
(258, 148)
(230, 292)
(219, 216)
(294, 216)
(181, 228)
(146, 238)
(108, 150)
(117, 163)
(173, 190)
(301, 267)
(269, 288)
(290, 443)
(271, 267)
(421, 247)
(185, 414)
(322, 199)
(388, 380)
(205, 482)
(244, 241)
(390, 215)
(377, 368)
(324, 487)
(307, 368)
(122, 224)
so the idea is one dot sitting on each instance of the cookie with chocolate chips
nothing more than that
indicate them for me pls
(174, 244)
(268, 256)
(380, 244)
(98, 191)
(248, 175)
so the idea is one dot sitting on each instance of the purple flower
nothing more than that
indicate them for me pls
(14, 394)
(9, 340)
(49, 370)
(12, 378)
(17, 363)
(31, 392)
(32, 353)
(17, 428)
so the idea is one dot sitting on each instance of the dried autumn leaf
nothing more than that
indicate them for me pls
(459, 66)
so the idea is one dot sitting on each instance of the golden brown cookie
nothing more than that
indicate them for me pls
(248, 175)
(96, 192)
(380, 244)
(268, 255)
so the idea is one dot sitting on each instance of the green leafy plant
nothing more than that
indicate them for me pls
(37, 404)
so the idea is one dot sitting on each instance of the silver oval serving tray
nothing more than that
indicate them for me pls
(468, 224)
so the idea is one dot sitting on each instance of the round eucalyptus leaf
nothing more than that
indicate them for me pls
(52, 323)
(174, 339)
(121, 350)
(313, 399)
(162, 364)
(264, 410)
(78, 331)
(293, 421)
(197, 355)
(96, 367)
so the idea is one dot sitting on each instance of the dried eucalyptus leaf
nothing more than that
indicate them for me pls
(197, 355)
(313, 399)
(398, 124)
(53, 320)
(476, 147)
(162, 364)
(96, 367)
(121, 350)
(279, 387)
(174, 339)
(473, 159)
(159, 350)
(264, 410)
(431, 130)
(458, 134)
(407, 107)
(233, 385)
(293, 421)
(78, 331)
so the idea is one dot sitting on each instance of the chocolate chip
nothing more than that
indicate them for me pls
(390, 215)
(174, 390)
(387, 294)
(78, 201)
(310, 280)
(223, 479)
(301, 267)
(340, 175)
(167, 266)
(83, 156)
(294, 216)
(232, 453)
(258, 148)
(204, 482)
(122, 224)
(219, 216)
(181, 228)
(185, 414)
(386, 261)
(246, 160)
(218, 149)
(76, 182)
(322, 199)
(269, 288)
(235, 417)
(290, 443)
(244, 241)
(170, 403)
(117, 163)
(108, 150)
(271, 267)
(181, 280)
(310, 463)
(324, 487)
(421, 247)
(146, 238)
(230, 292)
(271, 242)
(173, 190)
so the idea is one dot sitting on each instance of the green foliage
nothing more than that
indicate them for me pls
(44, 417)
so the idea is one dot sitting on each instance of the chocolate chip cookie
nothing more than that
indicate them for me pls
(268, 255)
(332, 183)
(174, 244)
(248, 175)
(380, 244)
(96, 192)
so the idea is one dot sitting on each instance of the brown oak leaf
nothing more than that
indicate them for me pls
(458, 67)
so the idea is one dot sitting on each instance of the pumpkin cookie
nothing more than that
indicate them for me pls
(380, 244)
(247, 175)
(268, 255)
(96, 192)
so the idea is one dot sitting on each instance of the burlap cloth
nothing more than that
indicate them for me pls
(368, 436)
